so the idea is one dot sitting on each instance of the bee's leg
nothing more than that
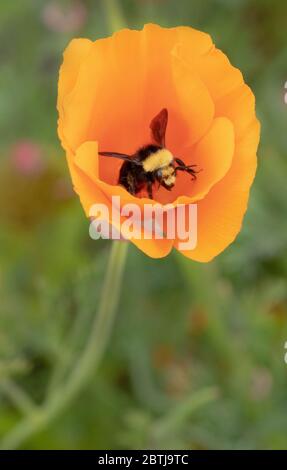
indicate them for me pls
(132, 186)
(131, 190)
(129, 187)
(179, 162)
(183, 166)
(149, 189)
(188, 170)
(127, 181)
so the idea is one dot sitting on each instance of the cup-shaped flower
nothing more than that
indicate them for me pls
(111, 90)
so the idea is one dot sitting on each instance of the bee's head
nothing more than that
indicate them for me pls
(166, 176)
(161, 163)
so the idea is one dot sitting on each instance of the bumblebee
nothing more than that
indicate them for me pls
(151, 164)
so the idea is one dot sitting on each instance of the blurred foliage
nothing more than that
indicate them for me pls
(181, 326)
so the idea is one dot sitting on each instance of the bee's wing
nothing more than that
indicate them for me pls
(121, 156)
(158, 127)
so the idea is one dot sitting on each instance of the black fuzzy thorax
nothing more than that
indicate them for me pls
(146, 151)
(133, 177)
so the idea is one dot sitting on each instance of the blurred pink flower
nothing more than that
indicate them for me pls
(27, 158)
(64, 19)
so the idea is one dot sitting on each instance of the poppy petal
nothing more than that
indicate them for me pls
(212, 156)
(195, 104)
(216, 72)
(221, 212)
(74, 55)
(239, 107)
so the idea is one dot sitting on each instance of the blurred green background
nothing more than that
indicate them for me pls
(181, 327)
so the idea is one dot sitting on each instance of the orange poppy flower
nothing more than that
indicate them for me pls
(109, 92)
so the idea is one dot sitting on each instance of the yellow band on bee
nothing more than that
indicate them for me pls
(158, 160)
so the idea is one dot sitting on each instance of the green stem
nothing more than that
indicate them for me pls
(88, 361)
(17, 396)
(180, 413)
